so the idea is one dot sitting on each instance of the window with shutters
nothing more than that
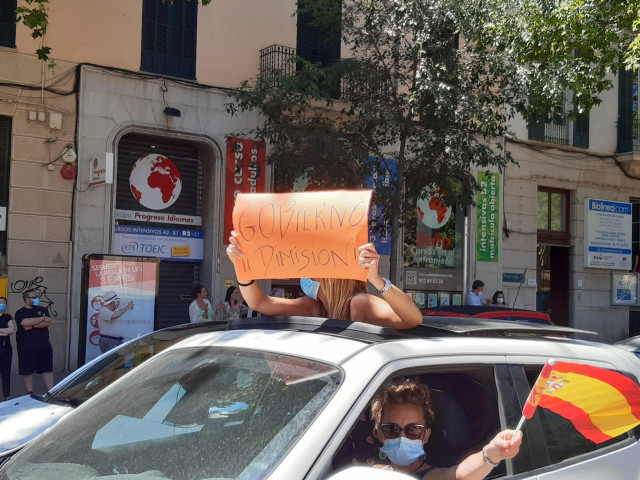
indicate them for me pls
(5, 162)
(318, 35)
(556, 126)
(169, 38)
(8, 23)
(628, 140)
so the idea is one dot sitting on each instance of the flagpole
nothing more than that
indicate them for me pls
(518, 428)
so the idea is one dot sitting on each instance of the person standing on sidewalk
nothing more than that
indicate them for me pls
(7, 328)
(35, 354)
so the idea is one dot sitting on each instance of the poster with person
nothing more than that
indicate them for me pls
(124, 285)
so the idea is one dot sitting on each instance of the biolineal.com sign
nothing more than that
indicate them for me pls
(607, 234)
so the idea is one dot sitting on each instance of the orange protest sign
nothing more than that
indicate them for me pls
(301, 234)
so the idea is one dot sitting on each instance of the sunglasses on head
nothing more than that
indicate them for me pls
(413, 431)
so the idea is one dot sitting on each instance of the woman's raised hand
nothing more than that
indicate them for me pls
(369, 258)
(234, 250)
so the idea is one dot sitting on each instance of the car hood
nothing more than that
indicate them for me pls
(24, 418)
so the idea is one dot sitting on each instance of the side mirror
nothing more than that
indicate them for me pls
(370, 473)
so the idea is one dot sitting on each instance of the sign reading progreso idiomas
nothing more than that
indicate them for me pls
(488, 217)
(302, 234)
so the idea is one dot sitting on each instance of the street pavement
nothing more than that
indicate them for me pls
(17, 387)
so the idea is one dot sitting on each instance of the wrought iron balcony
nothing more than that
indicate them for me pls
(277, 60)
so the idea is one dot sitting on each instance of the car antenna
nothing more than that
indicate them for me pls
(513, 305)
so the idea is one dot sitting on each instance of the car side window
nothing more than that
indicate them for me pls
(465, 402)
(562, 438)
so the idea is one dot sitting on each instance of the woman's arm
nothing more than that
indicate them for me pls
(265, 304)
(193, 312)
(474, 467)
(397, 310)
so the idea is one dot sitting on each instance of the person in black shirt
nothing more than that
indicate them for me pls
(35, 354)
(7, 328)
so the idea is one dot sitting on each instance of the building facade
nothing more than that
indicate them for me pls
(141, 79)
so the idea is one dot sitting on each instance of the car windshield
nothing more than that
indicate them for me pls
(85, 383)
(202, 413)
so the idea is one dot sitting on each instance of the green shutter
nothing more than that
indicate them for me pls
(8, 23)
(625, 111)
(5, 162)
(581, 131)
(536, 130)
(169, 37)
(315, 43)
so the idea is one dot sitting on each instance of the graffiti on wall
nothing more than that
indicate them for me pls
(38, 286)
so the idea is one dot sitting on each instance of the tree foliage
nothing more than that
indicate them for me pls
(415, 87)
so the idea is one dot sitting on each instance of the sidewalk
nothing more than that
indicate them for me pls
(17, 387)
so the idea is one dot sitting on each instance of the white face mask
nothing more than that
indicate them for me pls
(500, 300)
(310, 287)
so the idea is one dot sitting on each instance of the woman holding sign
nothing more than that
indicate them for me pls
(338, 298)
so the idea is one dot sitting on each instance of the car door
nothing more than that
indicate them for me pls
(474, 392)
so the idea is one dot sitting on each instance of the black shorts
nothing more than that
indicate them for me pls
(35, 359)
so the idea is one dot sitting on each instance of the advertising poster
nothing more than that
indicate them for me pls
(488, 217)
(132, 279)
(246, 167)
(379, 228)
(170, 244)
(607, 234)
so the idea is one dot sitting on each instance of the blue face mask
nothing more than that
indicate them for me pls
(310, 287)
(403, 451)
(36, 302)
(3, 307)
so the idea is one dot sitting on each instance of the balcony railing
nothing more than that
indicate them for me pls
(278, 60)
(636, 135)
(557, 132)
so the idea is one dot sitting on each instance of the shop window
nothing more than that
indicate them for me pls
(8, 23)
(635, 234)
(169, 38)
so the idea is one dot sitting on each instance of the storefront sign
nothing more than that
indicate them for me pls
(488, 217)
(432, 279)
(301, 234)
(157, 217)
(246, 166)
(101, 169)
(379, 227)
(607, 234)
(133, 280)
(155, 181)
(624, 289)
(513, 277)
(165, 243)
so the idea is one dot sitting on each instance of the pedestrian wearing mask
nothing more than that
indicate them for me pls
(35, 354)
(7, 328)
(474, 297)
(498, 299)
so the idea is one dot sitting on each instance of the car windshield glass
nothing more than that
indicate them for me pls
(86, 382)
(200, 413)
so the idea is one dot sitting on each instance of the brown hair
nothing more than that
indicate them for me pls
(339, 292)
(403, 391)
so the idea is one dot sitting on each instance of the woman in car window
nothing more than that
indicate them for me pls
(402, 413)
(7, 328)
(338, 298)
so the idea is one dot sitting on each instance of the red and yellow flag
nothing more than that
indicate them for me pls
(600, 403)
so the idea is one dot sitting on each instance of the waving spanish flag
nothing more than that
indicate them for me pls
(600, 403)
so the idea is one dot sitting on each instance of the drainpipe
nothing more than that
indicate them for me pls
(67, 359)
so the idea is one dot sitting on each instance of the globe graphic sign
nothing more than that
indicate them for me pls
(155, 182)
(433, 210)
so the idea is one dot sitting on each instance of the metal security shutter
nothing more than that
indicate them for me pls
(169, 38)
(313, 43)
(8, 23)
(5, 162)
(176, 278)
(625, 111)
(174, 292)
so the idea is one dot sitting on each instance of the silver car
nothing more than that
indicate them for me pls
(24, 418)
(289, 399)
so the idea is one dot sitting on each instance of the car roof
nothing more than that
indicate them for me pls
(337, 341)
